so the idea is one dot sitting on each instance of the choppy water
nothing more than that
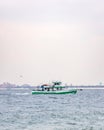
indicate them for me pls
(19, 110)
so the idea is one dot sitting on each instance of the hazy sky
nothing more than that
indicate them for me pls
(46, 40)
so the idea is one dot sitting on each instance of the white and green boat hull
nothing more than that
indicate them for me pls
(72, 91)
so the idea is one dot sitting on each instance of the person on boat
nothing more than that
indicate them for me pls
(42, 86)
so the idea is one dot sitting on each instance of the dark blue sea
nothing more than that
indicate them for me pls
(20, 110)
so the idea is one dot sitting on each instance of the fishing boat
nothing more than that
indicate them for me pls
(55, 88)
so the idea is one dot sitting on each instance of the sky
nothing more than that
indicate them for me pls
(48, 40)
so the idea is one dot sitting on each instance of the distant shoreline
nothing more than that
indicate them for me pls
(9, 85)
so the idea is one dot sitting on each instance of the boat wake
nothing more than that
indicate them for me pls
(22, 93)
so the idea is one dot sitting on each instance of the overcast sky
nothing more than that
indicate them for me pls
(46, 40)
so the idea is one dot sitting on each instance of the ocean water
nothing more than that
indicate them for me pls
(20, 110)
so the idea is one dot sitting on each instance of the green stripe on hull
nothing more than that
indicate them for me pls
(55, 92)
